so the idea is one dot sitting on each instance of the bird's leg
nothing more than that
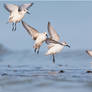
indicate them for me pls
(35, 50)
(53, 58)
(38, 51)
(15, 27)
(12, 26)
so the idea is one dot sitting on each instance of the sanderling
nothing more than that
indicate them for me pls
(17, 13)
(89, 52)
(37, 36)
(54, 46)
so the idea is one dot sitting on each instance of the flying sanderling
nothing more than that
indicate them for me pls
(17, 13)
(37, 36)
(54, 46)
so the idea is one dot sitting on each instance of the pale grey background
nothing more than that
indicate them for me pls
(72, 20)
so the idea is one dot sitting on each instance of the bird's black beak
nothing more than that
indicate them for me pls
(68, 46)
(28, 13)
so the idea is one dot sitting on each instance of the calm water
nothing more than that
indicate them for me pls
(24, 71)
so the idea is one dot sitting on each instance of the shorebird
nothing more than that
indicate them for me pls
(89, 52)
(17, 13)
(37, 36)
(54, 46)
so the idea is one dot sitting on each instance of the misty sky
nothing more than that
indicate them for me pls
(71, 20)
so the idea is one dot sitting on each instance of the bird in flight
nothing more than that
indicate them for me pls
(17, 13)
(37, 36)
(54, 46)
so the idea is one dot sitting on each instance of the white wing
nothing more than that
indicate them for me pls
(32, 31)
(53, 34)
(11, 7)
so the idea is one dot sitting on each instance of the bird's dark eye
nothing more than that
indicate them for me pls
(47, 35)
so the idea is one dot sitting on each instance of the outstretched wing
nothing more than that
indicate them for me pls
(11, 7)
(51, 43)
(32, 31)
(49, 40)
(53, 34)
(26, 6)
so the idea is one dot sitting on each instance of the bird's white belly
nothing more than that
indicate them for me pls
(40, 39)
(55, 49)
(16, 17)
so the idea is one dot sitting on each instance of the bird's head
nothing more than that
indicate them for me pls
(24, 11)
(45, 33)
(65, 44)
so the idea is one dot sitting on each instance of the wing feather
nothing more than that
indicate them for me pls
(11, 7)
(32, 31)
(26, 6)
(49, 40)
(53, 34)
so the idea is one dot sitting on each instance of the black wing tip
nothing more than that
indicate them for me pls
(48, 25)
(5, 6)
(25, 25)
(22, 22)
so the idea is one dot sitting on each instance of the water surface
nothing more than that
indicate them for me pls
(24, 71)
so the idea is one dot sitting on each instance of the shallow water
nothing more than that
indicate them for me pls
(24, 71)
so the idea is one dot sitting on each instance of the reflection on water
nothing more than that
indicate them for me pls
(25, 71)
